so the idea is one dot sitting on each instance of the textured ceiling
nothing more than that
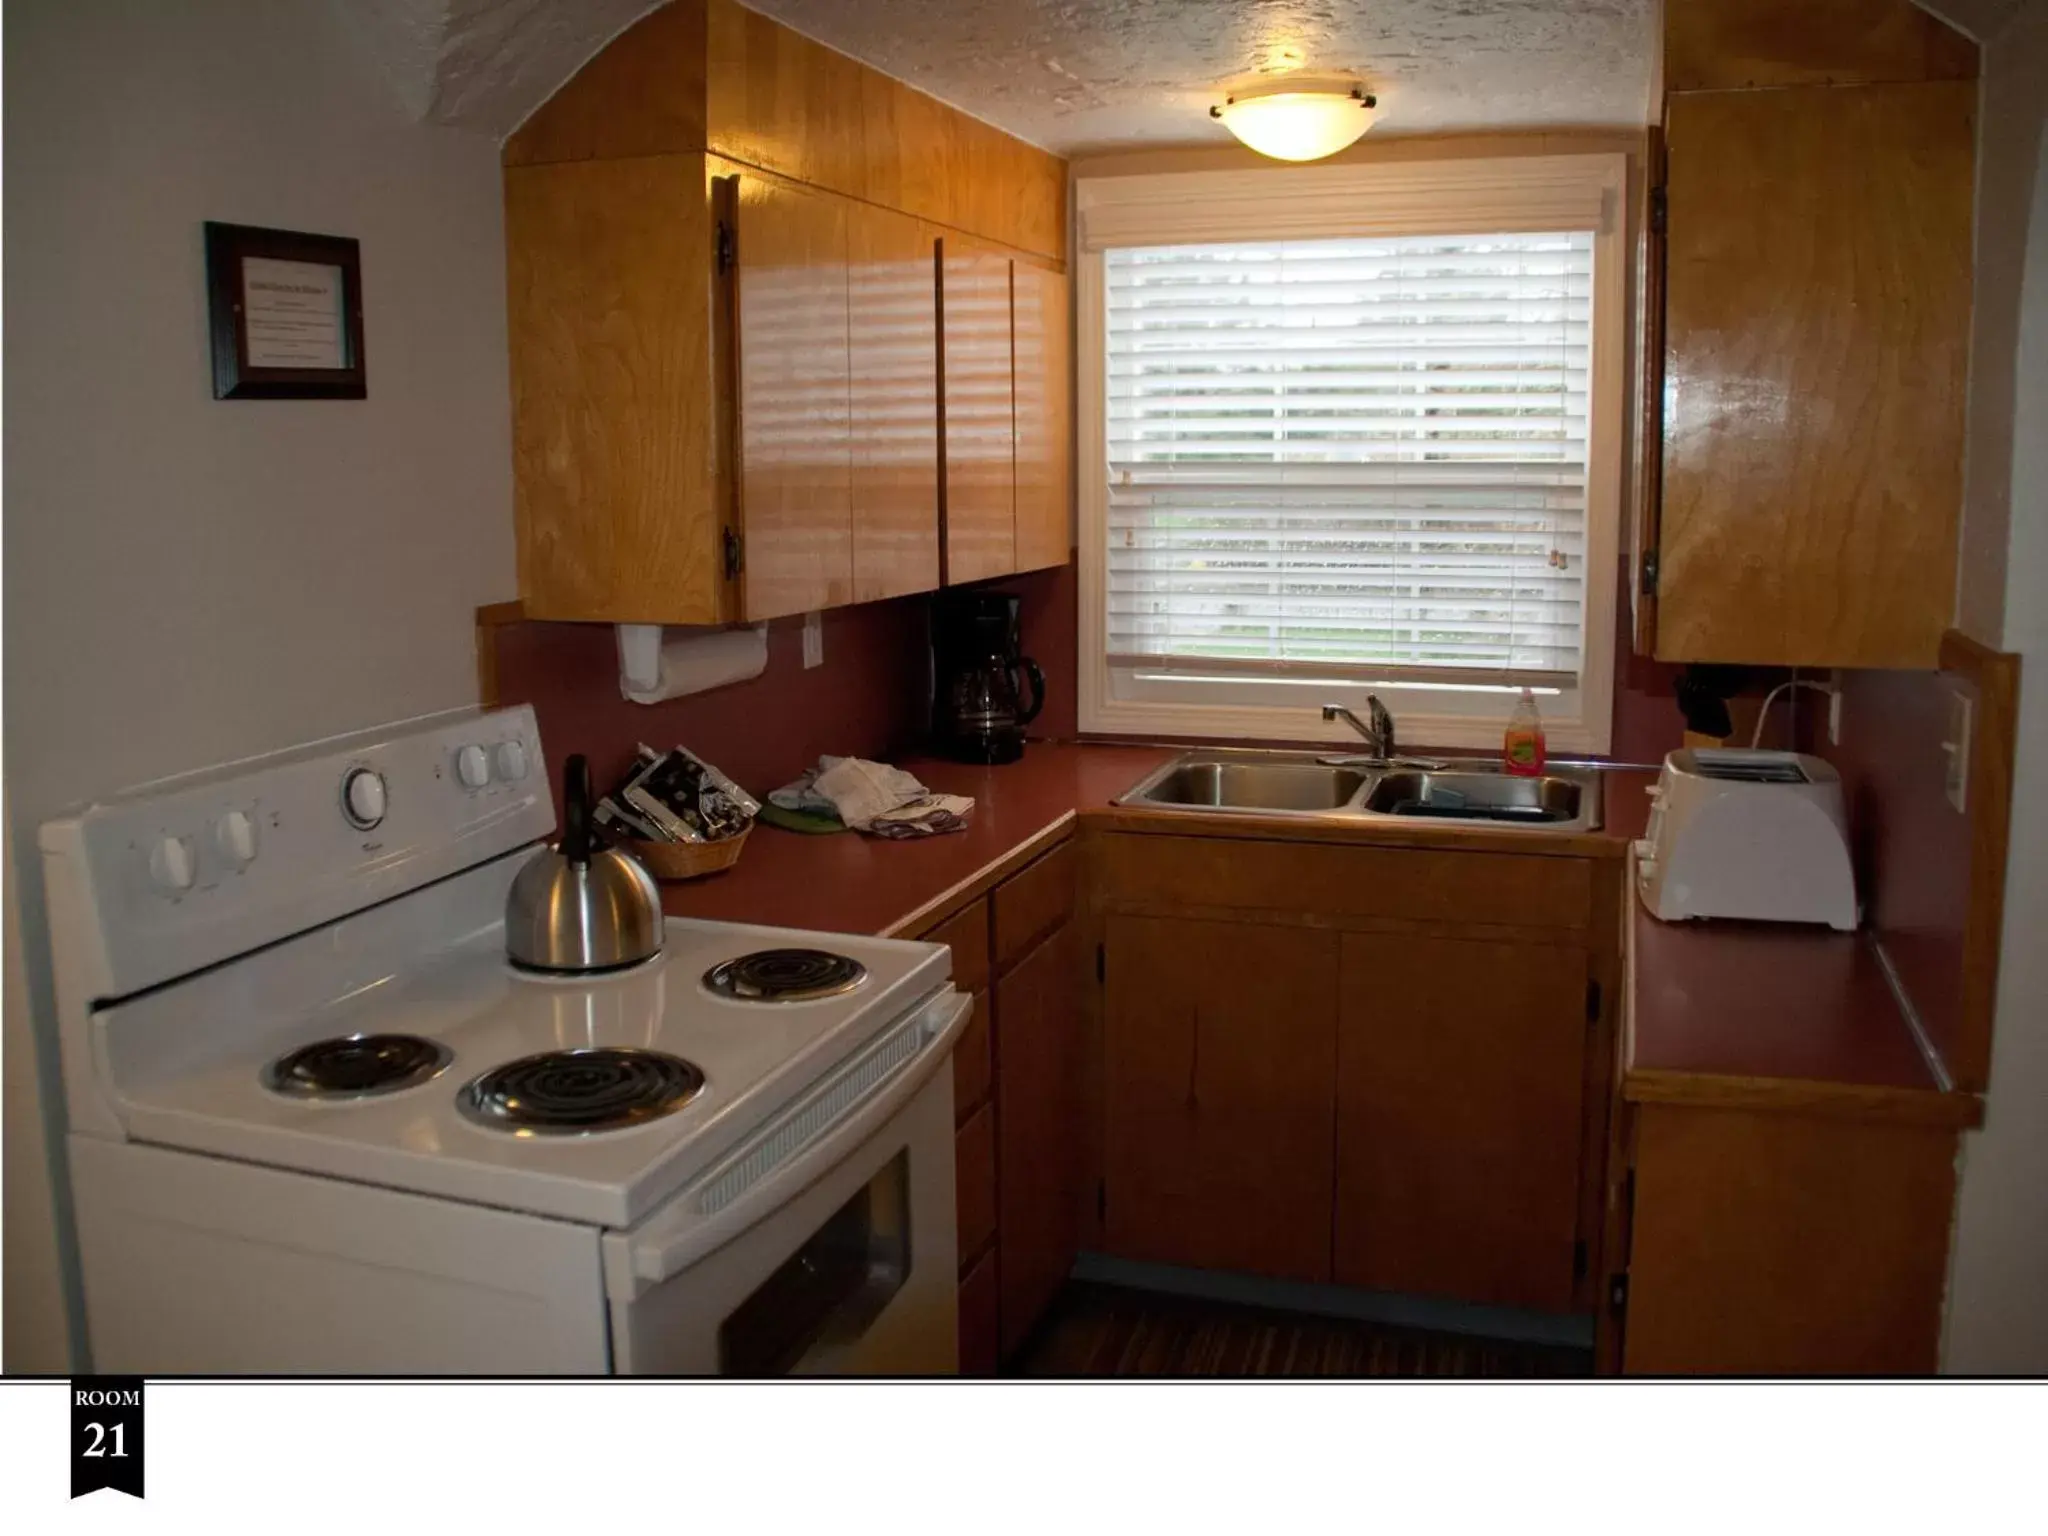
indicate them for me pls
(1085, 74)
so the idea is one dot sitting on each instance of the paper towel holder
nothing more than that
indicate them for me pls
(653, 665)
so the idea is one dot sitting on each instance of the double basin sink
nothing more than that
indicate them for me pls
(1332, 787)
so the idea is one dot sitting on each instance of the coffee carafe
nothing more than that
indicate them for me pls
(979, 707)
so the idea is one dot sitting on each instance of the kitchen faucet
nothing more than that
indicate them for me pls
(1378, 731)
(1379, 735)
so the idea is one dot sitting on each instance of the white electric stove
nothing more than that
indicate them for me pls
(319, 1124)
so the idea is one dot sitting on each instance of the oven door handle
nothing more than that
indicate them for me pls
(664, 1248)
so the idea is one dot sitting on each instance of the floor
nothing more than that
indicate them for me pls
(1105, 1330)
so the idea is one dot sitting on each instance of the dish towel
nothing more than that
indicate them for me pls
(876, 798)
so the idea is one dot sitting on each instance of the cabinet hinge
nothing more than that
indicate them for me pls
(1579, 1259)
(1101, 964)
(1659, 210)
(728, 246)
(1617, 1294)
(1592, 1002)
(1649, 573)
(735, 555)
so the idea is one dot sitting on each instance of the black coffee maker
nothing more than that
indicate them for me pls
(978, 706)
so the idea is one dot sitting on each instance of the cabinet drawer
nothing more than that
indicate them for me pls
(973, 1061)
(966, 934)
(980, 1324)
(974, 1164)
(1178, 873)
(1033, 902)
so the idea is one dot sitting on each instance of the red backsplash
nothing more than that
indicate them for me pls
(1912, 849)
(871, 695)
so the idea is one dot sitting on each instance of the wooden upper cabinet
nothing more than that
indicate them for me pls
(893, 337)
(1220, 1042)
(1817, 313)
(975, 369)
(696, 445)
(609, 292)
(795, 425)
(1045, 416)
(1719, 45)
(1460, 1066)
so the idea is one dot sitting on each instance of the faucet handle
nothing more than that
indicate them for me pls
(1382, 723)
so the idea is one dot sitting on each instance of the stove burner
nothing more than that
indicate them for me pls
(572, 1093)
(356, 1066)
(785, 976)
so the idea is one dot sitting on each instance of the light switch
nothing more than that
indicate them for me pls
(1957, 748)
(814, 640)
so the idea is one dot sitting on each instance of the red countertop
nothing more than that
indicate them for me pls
(843, 882)
(1720, 1013)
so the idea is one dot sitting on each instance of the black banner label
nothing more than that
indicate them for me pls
(106, 1434)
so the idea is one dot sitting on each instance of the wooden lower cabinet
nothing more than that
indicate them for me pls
(1460, 1066)
(1220, 1038)
(974, 1182)
(980, 1333)
(1039, 1158)
(1768, 1241)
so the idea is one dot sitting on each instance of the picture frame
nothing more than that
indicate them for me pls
(286, 314)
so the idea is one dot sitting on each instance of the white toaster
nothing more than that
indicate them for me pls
(1747, 834)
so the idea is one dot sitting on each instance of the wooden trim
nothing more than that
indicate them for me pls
(488, 617)
(1748, 44)
(1995, 677)
(1349, 922)
(1613, 894)
(1463, 836)
(1805, 1096)
(919, 923)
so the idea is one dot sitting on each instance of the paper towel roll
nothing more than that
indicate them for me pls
(654, 665)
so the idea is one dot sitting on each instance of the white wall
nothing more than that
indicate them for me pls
(1998, 1292)
(189, 581)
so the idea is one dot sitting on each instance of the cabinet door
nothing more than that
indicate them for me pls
(795, 443)
(893, 336)
(980, 427)
(614, 428)
(1038, 1128)
(1817, 317)
(1045, 417)
(1218, 1103)
(1459, 1072)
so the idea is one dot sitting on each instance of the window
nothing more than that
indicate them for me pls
(1348, 458)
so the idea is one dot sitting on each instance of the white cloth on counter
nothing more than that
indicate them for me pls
(874, 797)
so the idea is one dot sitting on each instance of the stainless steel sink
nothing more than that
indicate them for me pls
(1301, 785)
(1236, 784)
(1467, 796)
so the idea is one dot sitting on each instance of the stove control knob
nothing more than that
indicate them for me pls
(235, 834)
(362, 798)
(473, 767)
(170, 865)
(512, 760)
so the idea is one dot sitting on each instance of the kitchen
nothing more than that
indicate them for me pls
(1430, 1075)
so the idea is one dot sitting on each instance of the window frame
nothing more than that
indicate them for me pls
(1463, 196)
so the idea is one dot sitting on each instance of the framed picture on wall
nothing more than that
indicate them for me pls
(287, 314)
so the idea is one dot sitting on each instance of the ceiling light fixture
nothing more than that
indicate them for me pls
(1292, 118)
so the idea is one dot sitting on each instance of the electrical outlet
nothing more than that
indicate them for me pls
(814, 640)
(1957, 748)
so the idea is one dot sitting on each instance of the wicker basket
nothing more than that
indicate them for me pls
(687, 861)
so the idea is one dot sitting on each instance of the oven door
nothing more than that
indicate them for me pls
(823, 1245)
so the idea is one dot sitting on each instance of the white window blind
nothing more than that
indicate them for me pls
(1350, 458)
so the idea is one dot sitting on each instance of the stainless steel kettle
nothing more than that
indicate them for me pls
(580, 906)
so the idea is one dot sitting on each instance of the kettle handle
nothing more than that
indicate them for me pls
(1037, 690)
(576, 810)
